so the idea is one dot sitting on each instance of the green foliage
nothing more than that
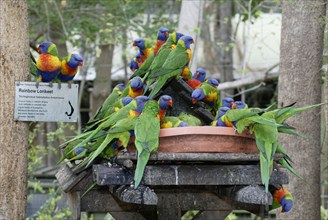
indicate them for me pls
(36, 153)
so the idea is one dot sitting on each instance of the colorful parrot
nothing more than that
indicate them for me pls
(173, 122)
(146, 141)
(48, 64)
(69, 67)
(213, 82)
(228, 102)
(240, 105)
(282, 198)
(190, 119)
(197, 79)
(110, 100)
(161, 56)
(165, 102)
(222, 120)
(173, 65)
(162, 36)
(145, 48)
(133, 108)
(208, 94)
(133, 66)
(134, 88)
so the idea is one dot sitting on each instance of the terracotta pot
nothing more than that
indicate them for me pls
(202, 139)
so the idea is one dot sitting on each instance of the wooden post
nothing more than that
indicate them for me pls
(14, 66)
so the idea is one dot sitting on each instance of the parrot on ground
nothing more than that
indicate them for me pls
(282, 198)
(197, 79)
(161, 56)
(173, 65)
(48, 64)
(69, 67)
(145, 48)
(146, 141)
(162, 36)
(173, 122)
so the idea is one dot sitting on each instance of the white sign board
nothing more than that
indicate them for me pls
(45, 103)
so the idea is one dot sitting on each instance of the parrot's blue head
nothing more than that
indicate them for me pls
(227, 102)
(200, 74)
(140, 43)
(240, 105)
(163, 34)
(79, 150)
(186, 41)
(165, 101)
(119, 87)
(220, 123)
(138, 57)
(141, 101)
(136, 83)
(126, 100)
(75, 60)
(178, 36)
(44, 46)
(213, 82)
(183, 124)
(222, 111)
(197, 95)
(133, 65)
(286, 204)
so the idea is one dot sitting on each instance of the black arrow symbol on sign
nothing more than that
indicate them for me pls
(72, 109)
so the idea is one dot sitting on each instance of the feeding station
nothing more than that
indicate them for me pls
(210, 169)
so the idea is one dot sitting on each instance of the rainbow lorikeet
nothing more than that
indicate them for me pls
(165, 102)
(197, 79)
(162, 55)
(222, 120)
(48, 64)
(133, 66)
(173, 65)
(145, 48)
(173, 122)
(228, 102)
(190, 119)
(146, 141)
(111, 98)
(282, 198)
(69, 67)
(208, 94)
(162, 36)
(134, 88)
(133, 108)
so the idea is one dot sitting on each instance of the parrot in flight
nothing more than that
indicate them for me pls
(48, 64)
(162, 36)
(282, 198)
(69, 67)
(197, 79)
(146, 141)
(173, 65)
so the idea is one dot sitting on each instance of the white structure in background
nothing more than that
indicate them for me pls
(263, 44)
(190, 19)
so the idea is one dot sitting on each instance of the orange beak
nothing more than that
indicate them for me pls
(197, 74)
(38, 49)
(80, 63)
(134, 44)
(170, 103)
(166, 34)
(194, 101)
(233, 105)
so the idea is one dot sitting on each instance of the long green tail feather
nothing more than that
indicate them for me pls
(143, 158)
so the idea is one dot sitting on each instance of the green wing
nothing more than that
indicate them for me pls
(146, 131)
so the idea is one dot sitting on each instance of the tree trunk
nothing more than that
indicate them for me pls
(224, 52)
(103, 84)
(14, 66)
(299, 81)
